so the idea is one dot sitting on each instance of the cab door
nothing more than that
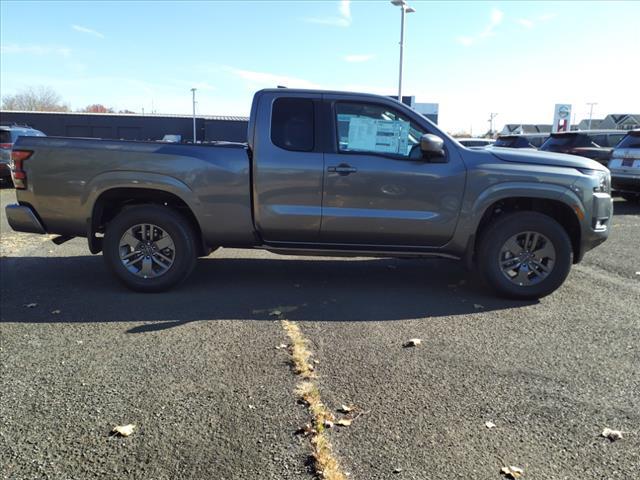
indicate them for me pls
(378, 187)
(287, 167)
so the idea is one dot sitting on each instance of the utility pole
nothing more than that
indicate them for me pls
(404, 8)
(591, 104)
(193, 91)
(491, 117)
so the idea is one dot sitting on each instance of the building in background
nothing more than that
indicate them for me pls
(620, 121)
(119, 126)
(429, 110)
(522, 128)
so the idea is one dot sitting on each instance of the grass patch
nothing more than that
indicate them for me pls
(325, 464)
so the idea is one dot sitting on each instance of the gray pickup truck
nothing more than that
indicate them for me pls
(322, 173)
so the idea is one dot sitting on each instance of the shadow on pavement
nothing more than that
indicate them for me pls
(244, 289)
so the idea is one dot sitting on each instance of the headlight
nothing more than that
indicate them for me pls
(604, 182)
(602, 178)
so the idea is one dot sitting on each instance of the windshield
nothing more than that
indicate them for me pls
(561, 142)
(5, 136)
(631, 140)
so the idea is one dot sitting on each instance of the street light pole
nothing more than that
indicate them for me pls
(404, 8)
(193, 91)
(591, 104)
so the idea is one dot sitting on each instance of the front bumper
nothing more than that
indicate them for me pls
(22, 218)
(597, 224)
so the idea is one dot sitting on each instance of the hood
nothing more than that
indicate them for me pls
(538, 157)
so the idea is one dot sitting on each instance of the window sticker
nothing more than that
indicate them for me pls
(374, 135)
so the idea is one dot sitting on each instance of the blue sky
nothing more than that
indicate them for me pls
(514, 58)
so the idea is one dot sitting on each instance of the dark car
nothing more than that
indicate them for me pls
(473, 142)
(594, 144)
(521, 140)
(8, 136)
(625, 167)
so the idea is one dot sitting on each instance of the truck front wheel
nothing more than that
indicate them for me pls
(525, 255)
(149, 248)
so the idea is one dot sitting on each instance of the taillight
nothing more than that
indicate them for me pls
(6, 146)
(18, 174)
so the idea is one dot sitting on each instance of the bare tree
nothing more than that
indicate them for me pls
(35, 99)
(97, 108)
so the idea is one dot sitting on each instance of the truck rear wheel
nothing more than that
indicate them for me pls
(525, 255)
(149, 248)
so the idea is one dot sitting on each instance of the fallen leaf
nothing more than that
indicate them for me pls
(489, 425)
(397, 470)
(306, 430)
(612, 435)
(55, 312)
(344, 422)
(412, 342)
(477, 306)
(317, 362)
(31, 305)
(123, 430)
(281, 346)
(512, 472)
(328, 424)
(345, 408)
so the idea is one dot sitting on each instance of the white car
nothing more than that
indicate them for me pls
(625, 167)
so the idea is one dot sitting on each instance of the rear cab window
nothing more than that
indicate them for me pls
(292, 124)
(374, 128)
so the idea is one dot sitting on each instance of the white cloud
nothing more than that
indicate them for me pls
(358, 58)
(495, 19)
(35, 50)
(526, 23)
(267, 80)
(343, 20)
(80, 28)
(466, 41)
(529, 23)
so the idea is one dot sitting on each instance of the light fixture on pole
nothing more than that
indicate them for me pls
(591, 104)
(193, 91)
(404, 8)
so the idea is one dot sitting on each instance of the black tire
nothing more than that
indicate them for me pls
(494, 238)
(180, 232)
(631, 197)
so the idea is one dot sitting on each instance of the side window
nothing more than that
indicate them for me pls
(365, 127)
(292, 124)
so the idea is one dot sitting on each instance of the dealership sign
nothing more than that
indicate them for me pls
(561, 118)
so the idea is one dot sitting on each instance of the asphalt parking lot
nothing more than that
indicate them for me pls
(196, 370)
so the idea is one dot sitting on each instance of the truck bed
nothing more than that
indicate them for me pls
(65, 177)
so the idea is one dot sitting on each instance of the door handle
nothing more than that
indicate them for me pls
(342, 169)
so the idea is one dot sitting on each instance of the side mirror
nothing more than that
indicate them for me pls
(432, 146)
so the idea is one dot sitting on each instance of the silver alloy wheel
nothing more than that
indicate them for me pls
(147, 251)
(527, 258)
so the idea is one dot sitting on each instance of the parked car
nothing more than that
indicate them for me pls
(476, 142)
(529, 140)
(8, 136)
(594, 144)
(625, 167)
(323, 173)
